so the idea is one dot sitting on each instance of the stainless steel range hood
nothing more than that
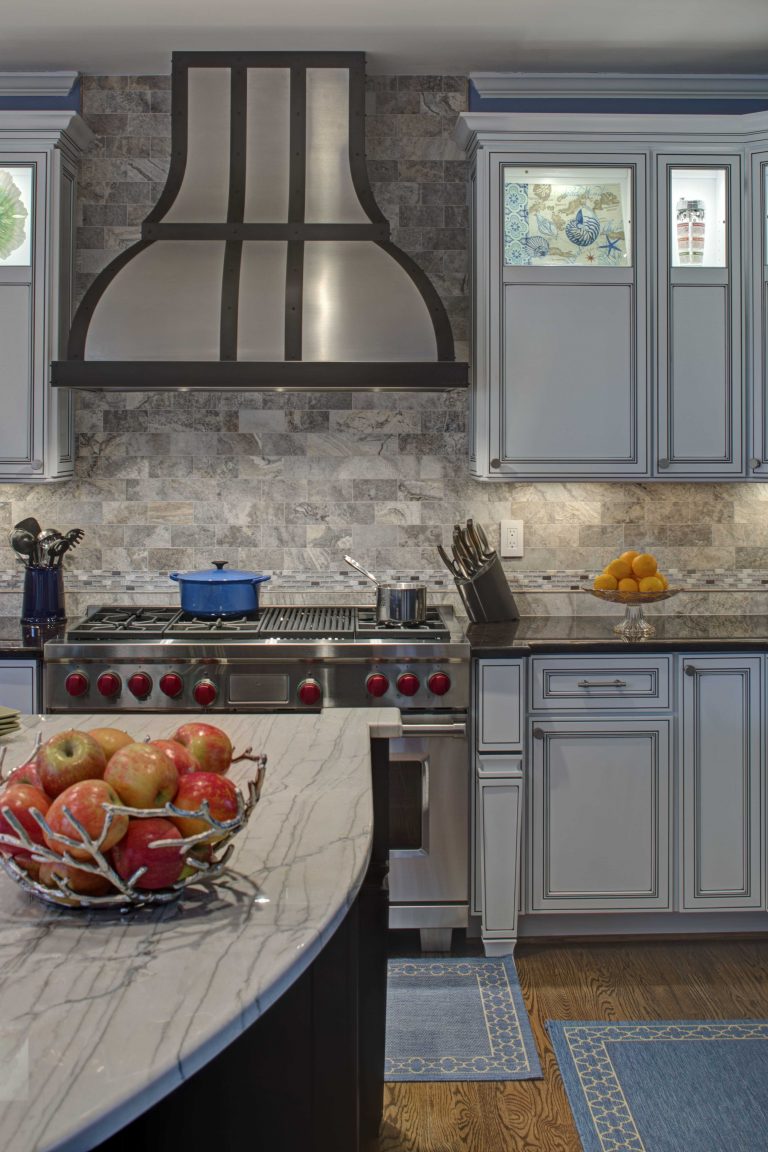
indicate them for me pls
(266, 262)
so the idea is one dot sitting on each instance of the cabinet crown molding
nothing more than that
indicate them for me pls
(56, 84)
(624, 85)
(24, 128)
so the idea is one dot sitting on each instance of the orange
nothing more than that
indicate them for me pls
(606, 582)
(619, 569)
(628, 585)
(664, 581)
(644, 565)
(651, 584)
(629, 556)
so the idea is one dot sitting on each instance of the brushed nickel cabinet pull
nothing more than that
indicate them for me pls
(495, 463)
(601, 683)
(538, 733)
(755, 463)
(690, 670)
(663, 463)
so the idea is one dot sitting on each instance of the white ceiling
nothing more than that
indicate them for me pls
(109, 36)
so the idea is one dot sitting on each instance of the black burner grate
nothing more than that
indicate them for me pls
(109, 623)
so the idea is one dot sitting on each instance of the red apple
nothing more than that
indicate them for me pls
(110, 739)
(85, 801)
(80, 881)
(27, 773)
(67, 758)
(19, 798)
(180, 756)
(211, 747)
(142, 775)
(164, 865)
(219, 791)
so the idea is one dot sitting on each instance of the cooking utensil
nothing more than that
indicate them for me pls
(489, 552)
(24, 545)
(397, 601)
(28, 525)
(45, 539)
(214, 592)
(452, 568)
(58, 548)
(467, 559)
(482, 551)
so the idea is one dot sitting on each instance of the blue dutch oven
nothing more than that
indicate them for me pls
(218, 593)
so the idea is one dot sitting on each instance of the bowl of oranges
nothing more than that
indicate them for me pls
(632, 579)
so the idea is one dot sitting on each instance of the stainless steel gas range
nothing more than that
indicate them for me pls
(304, 659)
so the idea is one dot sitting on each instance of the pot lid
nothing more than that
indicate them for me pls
(266, 263)
(218, 575)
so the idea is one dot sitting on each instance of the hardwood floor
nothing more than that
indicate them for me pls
(691, 979)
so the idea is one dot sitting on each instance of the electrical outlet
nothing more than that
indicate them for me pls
(511, 534)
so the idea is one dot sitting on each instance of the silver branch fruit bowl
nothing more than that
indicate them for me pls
(200, 867)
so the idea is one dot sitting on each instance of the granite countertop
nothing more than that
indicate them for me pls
(595, 634)
(103, 1014)
(17, 639)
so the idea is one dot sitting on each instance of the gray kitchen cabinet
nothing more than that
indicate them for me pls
(600, 814)
(500, 696)
(700, 393)
(721, 768)
(19, 685)
(38, 159)
(608, 336)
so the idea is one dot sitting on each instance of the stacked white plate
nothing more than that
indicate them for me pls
(9, 721)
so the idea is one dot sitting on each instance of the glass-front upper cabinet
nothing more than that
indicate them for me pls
(16, 215)
(698, 217)
(567, 216)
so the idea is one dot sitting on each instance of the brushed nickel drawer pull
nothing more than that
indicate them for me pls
(602, 684)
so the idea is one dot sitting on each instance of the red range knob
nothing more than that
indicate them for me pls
(205, 692)
(140, 685)
(408, 684)
(76, 684)
(439, 683)
(310, 692)
(171, 684)
(109, 684)
(376, 684)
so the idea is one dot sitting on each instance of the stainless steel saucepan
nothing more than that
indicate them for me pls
(397, 601)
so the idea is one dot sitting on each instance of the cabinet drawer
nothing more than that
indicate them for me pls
(500, 686)
(572, 683)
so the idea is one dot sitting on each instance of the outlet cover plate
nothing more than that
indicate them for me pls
(511, 535)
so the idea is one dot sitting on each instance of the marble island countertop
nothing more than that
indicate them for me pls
(103, 1014)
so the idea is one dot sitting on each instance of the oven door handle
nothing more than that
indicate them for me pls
(458, 729)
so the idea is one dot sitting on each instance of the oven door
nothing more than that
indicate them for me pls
(429, 822)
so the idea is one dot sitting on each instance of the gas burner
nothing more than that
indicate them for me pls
(110, 623)
(369, 628)
(186, 624)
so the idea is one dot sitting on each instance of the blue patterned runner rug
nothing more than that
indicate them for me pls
(666, 1085)
(457, 1018)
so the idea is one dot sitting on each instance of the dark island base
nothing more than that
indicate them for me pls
(308, 1075)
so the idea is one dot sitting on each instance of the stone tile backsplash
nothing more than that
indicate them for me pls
(288, 483)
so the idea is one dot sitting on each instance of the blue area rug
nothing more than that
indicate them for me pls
(666, 1085)
(458, 1018)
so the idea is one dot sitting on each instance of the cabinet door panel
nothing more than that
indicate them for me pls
(16, 343)
(720, 782)
(560, 368)
(500, 688)
(600, 815)
(700, 415)
(18, 685)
